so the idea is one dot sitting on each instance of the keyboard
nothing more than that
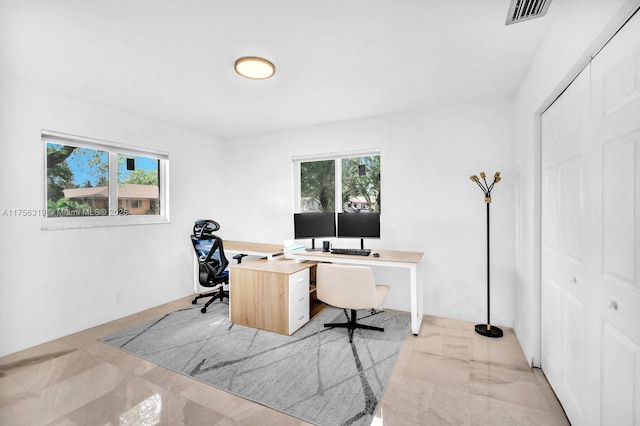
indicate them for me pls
(352, 252)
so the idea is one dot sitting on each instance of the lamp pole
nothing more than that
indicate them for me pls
(487, 329)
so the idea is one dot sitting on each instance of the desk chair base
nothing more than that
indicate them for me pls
(219, 294)
(353, 324)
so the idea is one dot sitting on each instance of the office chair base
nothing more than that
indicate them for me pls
(352, 325)
(215, 295)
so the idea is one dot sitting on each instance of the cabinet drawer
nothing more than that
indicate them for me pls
(298, 313)
(299, 299)
(298, 308)
(299, 281)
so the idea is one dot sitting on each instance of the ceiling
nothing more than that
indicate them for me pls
(335, 59)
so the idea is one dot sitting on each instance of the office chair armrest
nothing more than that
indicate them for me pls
(238, 257)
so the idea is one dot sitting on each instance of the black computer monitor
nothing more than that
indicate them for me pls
(359, 225)
(314, 225)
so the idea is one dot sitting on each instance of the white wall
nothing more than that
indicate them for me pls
(59, 282)
(429, 204)
(53, 283)
(581, 27)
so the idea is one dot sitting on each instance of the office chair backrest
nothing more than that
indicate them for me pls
(203, 229)
(213, 261)
(346, 286)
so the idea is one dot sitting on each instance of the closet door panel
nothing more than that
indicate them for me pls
(564, 286)
(552, 332)
(573, 208)
(620, 370)
(575, 336)
(551, 290)
(618, 202)
(616, 129)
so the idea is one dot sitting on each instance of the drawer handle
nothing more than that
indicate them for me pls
(301, 299)
(574, 280)
(613, 304)
(299, 319)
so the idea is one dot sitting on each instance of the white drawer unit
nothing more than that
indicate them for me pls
(298, 300)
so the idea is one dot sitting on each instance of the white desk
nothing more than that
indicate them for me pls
(388, 258)
(266, 250)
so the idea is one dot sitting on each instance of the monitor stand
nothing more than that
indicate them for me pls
(313, 246)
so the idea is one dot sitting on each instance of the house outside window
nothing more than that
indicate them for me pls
(97, 183)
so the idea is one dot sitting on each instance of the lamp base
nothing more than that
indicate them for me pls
(488, 330)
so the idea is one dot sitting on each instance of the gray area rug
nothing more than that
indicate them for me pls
(315, 374)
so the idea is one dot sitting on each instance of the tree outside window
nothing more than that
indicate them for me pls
(83, 172)
(361, 184)
(354, 179)
(317, 181)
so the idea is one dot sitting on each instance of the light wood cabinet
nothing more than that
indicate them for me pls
(270, 295)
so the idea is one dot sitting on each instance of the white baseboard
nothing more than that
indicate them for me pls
(504, 322)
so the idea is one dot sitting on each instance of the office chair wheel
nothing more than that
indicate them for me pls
(203, 310)
(194, 301)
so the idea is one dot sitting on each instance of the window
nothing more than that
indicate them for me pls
(97, 183)
(318, 188)
(350, 181)
(361, 184)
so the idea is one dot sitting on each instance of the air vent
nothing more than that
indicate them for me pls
(524, 10)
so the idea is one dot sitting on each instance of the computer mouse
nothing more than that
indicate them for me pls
(376, 254)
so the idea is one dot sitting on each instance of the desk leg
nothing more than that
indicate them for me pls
(196, 273)
(416, 300)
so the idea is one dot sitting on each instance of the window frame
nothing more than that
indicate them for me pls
(337, 157)
(113, 149)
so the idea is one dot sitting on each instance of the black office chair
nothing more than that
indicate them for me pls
(212, 262)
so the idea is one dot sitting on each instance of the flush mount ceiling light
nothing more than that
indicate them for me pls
(254, 67)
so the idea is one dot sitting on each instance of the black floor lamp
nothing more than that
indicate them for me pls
(487, 329)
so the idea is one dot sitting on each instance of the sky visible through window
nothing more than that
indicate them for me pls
(80, 163)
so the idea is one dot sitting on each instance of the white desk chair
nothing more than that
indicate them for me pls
(349, 287)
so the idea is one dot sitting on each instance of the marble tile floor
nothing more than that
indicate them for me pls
(448, 375)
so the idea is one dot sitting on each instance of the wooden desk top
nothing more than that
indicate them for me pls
(385, 256)
(279, 265)
(257, 249)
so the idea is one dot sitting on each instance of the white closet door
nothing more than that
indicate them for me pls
(616, 146)
(591, 238)
(565, 291)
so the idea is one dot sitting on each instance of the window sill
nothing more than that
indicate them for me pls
(100, 221)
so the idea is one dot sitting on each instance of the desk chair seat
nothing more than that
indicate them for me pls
(212, 262)
(349, 287)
